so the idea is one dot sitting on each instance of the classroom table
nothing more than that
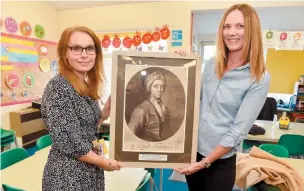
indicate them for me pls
(27, 174)
(297, 164)
(273, 133)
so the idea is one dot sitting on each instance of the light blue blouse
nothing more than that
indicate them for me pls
(228, 107)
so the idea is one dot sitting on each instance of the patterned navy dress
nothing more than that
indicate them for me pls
(72, 122)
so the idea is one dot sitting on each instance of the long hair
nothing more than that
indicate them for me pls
(252, 48)
(95, 77)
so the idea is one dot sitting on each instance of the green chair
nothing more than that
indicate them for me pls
(276, 150)
(7, 137)
(293, 143)
(144, 183)
(43, 142)
(7, 141)
(10, 188)
(12, 156)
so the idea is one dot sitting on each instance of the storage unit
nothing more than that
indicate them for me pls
(299, 106)
(28, 125)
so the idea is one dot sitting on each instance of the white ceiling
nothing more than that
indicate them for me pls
(205, 23)
(65, 5)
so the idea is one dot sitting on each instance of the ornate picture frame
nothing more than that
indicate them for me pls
(154, 109)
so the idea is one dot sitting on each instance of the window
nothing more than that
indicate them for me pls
(207, 52)
(208, 49)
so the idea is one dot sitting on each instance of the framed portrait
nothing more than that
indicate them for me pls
(154, 109)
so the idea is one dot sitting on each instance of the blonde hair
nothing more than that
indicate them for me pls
(95, 76)
(253, 47)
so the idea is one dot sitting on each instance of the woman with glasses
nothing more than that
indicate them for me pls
(71, 114)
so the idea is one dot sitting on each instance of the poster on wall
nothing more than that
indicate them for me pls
(43, 50)
(153, 109)
(11, 25)
(28, 80)
(25, 28)
(54, 67)
(20, 61)
(12, 80)
(39, 31)
(270, 38)
(283, 40)
(177, 38)
(45, 65)
(297, 40)
(15, 50)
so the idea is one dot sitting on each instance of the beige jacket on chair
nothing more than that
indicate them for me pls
(259, 165)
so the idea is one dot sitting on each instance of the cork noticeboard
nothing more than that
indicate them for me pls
(27, 64)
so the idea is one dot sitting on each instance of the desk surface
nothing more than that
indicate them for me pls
(297, 164)
(27, 175)
(273, 134)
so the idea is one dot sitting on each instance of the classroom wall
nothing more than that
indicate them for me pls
(35, 13)
(131, 17)
(142, 16)
(285, 68)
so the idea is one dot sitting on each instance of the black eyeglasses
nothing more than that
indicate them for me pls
(77, 50)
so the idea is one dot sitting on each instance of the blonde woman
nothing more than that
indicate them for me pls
(71, 114)
(234, 88)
